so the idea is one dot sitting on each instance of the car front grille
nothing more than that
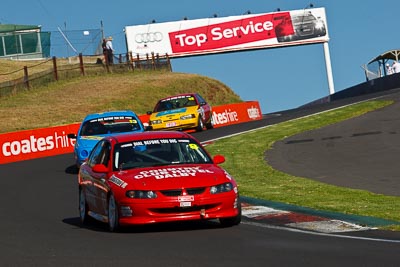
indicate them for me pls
(179, 192)
(172, 193)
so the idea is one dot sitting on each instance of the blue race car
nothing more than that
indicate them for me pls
(98, 125)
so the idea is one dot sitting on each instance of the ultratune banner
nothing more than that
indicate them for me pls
(216, 35)
(44, 142)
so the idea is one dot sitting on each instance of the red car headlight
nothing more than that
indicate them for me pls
(226, 187)
(141, 194)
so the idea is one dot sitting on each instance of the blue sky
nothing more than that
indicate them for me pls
(280, 79)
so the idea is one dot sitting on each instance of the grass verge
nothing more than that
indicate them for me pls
(69, 101)
(245, 158)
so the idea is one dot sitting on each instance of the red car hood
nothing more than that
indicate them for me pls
(173, 177)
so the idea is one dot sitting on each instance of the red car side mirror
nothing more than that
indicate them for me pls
(218, 159)
(100, 168)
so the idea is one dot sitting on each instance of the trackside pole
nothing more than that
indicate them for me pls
(329, 68)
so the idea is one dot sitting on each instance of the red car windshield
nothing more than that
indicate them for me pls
(158, 152)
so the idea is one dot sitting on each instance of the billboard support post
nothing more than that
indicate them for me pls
(329, 68)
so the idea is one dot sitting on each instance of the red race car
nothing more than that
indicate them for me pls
(154, 177)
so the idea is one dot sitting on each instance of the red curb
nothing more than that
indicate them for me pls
(285, 218)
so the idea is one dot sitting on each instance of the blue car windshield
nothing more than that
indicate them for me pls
(109, 125)
(159, 152)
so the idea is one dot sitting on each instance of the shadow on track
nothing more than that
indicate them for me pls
(97, 226)
(73, 169)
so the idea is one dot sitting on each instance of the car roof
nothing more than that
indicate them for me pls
(128, 137)
(110, 113)
(187, 94)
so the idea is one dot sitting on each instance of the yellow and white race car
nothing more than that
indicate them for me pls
(181, 112)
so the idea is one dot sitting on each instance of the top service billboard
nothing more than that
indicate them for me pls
(226, 34)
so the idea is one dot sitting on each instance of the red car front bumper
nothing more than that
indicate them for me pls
(156, 212)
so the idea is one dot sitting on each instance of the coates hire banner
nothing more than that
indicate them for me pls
(215, 35)
(38, 143)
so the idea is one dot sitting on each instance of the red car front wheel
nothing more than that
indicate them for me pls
(113, 217)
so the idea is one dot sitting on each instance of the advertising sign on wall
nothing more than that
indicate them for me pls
(234, 33)
(37, 143)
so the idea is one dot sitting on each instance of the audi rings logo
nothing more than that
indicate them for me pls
(148, 37)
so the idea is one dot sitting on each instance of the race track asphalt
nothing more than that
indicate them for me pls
(40, 224)
(360, 153)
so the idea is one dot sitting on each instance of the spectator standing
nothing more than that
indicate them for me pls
(389, 69)
(110, 50)
(104, 47)
(396, 67)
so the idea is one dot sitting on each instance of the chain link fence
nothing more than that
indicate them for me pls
(70, 43)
